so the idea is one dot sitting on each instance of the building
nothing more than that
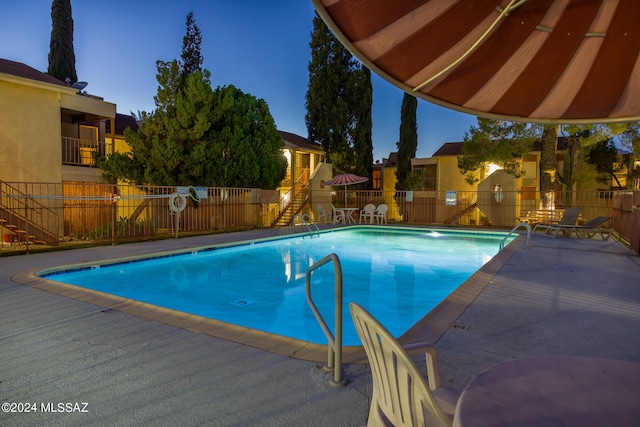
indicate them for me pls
(49, 131)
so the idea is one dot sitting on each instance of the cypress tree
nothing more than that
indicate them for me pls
(408, 143)
(62, 59)
(549, 143)
(363, 142)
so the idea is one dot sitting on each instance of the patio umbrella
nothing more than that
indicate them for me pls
(346, 179)
(545, 61)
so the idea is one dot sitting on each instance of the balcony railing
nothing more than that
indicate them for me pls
(79, 152)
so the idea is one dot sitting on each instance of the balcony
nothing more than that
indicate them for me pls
(429, 184)
(79, 152)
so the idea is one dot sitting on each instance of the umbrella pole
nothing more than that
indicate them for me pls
(345, 196)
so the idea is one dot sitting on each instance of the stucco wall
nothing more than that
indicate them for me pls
(30, 134)
(500, 209)
(449, 176)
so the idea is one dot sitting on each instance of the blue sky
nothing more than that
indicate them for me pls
(262, 47)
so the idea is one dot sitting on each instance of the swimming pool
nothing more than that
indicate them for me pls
(399, 274)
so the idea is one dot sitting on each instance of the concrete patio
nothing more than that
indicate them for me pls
(560, 296)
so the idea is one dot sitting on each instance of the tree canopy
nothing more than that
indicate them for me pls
(495, 141)
(338, 102)
(200, 136)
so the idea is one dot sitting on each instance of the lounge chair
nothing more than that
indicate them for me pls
(569, 217)
(584, 231)
(400, 392)
(367, 212)
(380, 215)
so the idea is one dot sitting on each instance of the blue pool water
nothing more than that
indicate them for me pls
(397, 274)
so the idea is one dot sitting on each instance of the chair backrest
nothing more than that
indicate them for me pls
(400, 391)
(322, 215)
(595, 222)
(382, 209)
(570, 216)
(369, 209)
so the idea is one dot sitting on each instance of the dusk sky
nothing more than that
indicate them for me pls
(261, 47)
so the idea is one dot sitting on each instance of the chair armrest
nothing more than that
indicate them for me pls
(431, 355)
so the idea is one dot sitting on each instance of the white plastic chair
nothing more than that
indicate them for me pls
(367, 212)
(338, 215)
(380, 215)
(322, 214)
(400, 392)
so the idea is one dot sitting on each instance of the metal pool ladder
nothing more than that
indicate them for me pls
(306, 220)
(334, 348)
(522, 224)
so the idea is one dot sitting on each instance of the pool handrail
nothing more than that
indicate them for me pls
(306, 220)
(334, 347)
(522, 224)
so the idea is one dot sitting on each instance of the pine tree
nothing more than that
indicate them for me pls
(191, 59)
(408, 143)
(333, 99)
(496, 141)
(62, 59)
(198, 136)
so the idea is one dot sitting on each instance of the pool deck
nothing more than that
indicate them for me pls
(559, 296)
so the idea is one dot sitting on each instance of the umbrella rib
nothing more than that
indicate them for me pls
(503, 13)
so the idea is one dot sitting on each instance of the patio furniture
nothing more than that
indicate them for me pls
(322, 214)
(569, 217)
(586, 230)
(546, 216)
(380, 215)
(400, 392)
(348, 215)
(367, 212)
(338, 215)
(553, 390)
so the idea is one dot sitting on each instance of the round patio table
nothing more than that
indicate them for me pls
(553, 391)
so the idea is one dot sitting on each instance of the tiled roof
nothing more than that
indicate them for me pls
(449, 149)
(455, 148)
(21, 70)
(392, 161)
(297, 141)
(123, 121)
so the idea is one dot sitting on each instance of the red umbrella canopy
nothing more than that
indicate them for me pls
(546, 61)
(346, 179)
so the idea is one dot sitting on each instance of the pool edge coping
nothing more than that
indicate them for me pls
(430, 328)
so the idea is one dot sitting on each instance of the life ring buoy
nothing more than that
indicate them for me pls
(177, 202)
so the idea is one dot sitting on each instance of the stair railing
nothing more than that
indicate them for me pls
(306, 220)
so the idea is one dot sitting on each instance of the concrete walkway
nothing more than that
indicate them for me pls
(560, 296)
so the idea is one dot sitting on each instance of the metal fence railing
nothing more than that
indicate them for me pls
(468, 207)
(105, 212)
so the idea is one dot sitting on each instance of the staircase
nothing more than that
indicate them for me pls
(297, 201)
(25, 218)
(464, 207)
